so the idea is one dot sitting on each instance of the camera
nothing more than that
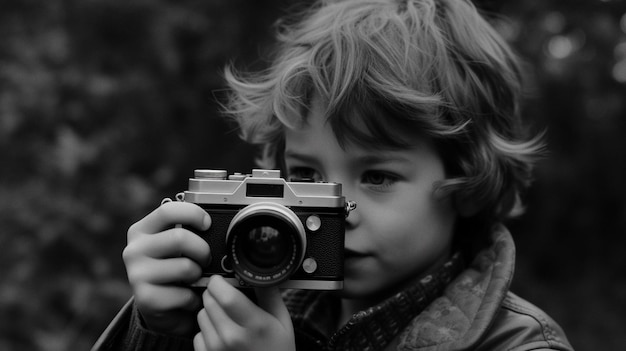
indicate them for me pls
(267, 231)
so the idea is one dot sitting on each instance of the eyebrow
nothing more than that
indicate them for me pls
(299, 156)
(382, 158)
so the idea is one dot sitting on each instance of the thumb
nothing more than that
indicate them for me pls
(272, 302)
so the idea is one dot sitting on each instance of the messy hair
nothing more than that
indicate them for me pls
(382, 68)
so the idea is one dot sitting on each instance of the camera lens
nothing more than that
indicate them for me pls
(267, 243)
(265, 246)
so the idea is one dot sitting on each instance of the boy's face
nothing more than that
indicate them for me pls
(399, 230)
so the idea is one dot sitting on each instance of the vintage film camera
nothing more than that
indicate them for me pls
(270, 232)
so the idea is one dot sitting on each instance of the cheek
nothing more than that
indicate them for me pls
(394, 228)
(414, 225)
(405, 210)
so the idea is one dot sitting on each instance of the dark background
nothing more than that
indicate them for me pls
(106, 106)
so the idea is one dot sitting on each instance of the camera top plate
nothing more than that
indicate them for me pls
(215, 187)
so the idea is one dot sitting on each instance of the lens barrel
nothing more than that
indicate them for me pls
(266, 242)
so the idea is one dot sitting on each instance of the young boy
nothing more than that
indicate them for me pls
(413, 106)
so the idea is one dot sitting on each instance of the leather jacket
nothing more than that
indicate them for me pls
(475, 311)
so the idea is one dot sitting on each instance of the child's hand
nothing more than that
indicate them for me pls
(161, 260)
(230, 321)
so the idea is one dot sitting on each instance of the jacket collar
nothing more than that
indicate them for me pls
(464, 312)
(314, 313)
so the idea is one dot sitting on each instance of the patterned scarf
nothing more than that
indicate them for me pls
(315, 313)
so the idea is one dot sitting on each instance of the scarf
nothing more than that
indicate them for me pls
(315, 313)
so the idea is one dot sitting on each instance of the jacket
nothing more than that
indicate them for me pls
(474, 310)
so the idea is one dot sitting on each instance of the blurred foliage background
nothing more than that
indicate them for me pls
(107, 106)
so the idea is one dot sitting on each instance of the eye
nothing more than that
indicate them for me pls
(304, 173)
(379, 180)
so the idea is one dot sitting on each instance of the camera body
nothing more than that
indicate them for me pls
(266, 231)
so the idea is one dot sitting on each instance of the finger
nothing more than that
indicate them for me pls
(158, 298)
(225, 328)
(198, 343)
(165, 271)
(174, 242)
(232, 301)
(210, 338)
(170, 214)
(271, 301)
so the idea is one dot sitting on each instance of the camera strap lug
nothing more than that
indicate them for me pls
(350, 206)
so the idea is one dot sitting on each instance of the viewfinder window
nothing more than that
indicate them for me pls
(265, 190)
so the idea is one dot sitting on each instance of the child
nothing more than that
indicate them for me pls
(413, 106)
